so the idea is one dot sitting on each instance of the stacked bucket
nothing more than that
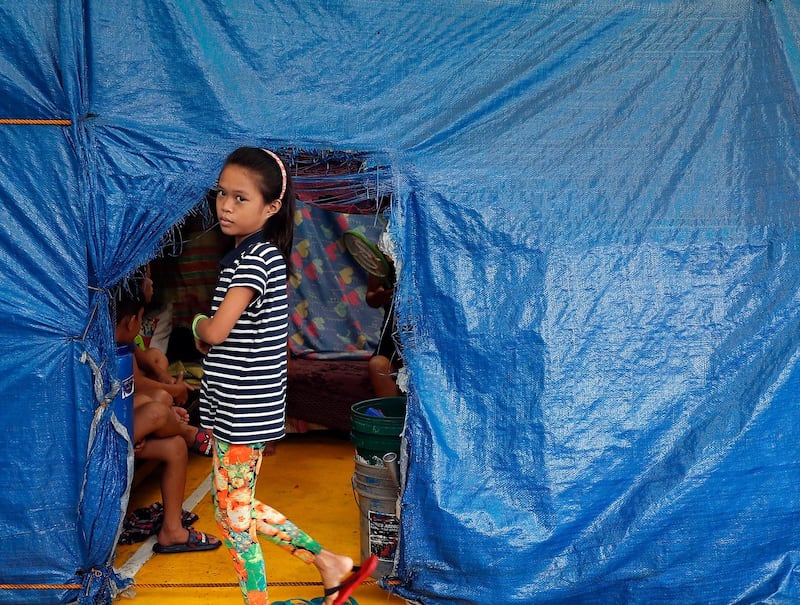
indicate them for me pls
(377, 426)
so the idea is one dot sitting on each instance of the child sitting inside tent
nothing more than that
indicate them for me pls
(151, 378)
(152, 362)
(387, 358)
(160, 432)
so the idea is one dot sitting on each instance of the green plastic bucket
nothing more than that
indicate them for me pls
(375, 435)
(375, 446)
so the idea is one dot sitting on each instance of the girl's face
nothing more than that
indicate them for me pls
(241, 208)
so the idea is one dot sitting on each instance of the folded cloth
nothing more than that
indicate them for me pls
(145, 522)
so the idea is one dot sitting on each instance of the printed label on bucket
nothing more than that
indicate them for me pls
(383, 531)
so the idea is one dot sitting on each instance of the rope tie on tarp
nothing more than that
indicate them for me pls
(98, 573)
(98, 380)
(97, 374)
(33, 122)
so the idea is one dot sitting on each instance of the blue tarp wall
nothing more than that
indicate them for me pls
(596, 220)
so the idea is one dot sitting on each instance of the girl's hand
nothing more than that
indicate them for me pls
(179, 389)
(201, 346)
(199, 343)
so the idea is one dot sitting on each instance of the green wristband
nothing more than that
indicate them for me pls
(197, 318)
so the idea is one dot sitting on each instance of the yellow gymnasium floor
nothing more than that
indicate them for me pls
(308, 479)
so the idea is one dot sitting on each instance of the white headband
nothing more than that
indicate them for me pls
(283, 171)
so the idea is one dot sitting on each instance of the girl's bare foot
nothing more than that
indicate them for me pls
(332, 568)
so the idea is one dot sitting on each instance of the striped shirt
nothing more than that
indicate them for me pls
(243, 391)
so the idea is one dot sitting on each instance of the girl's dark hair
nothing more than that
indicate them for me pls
(279, 229)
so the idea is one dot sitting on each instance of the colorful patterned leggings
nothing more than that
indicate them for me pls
(239, 516)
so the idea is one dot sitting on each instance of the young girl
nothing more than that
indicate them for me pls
(243, 391)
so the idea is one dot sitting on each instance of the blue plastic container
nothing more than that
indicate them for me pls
(123, 402)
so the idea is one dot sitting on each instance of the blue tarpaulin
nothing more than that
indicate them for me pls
(595, 214)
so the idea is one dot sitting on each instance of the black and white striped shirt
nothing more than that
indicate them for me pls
(243, 391)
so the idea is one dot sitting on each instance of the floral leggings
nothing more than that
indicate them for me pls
(240, 516)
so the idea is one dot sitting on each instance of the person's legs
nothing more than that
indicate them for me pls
(234, 477)
(149, 417)
(274, 525)
(172, 452)
(381, 376)
(241, 516)
(159, 395)
(152, 416)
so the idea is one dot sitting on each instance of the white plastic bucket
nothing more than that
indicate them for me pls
(377, 496)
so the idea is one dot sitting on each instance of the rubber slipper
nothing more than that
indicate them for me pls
(202, 443)
(197, 542)
(353, 581)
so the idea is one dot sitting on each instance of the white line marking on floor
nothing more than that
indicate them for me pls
(145, 551)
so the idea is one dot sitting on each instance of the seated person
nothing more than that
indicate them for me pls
(160, 433)
(151, 368)
(386, 360)
(152, 402)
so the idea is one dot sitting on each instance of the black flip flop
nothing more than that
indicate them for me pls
(197, 542)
